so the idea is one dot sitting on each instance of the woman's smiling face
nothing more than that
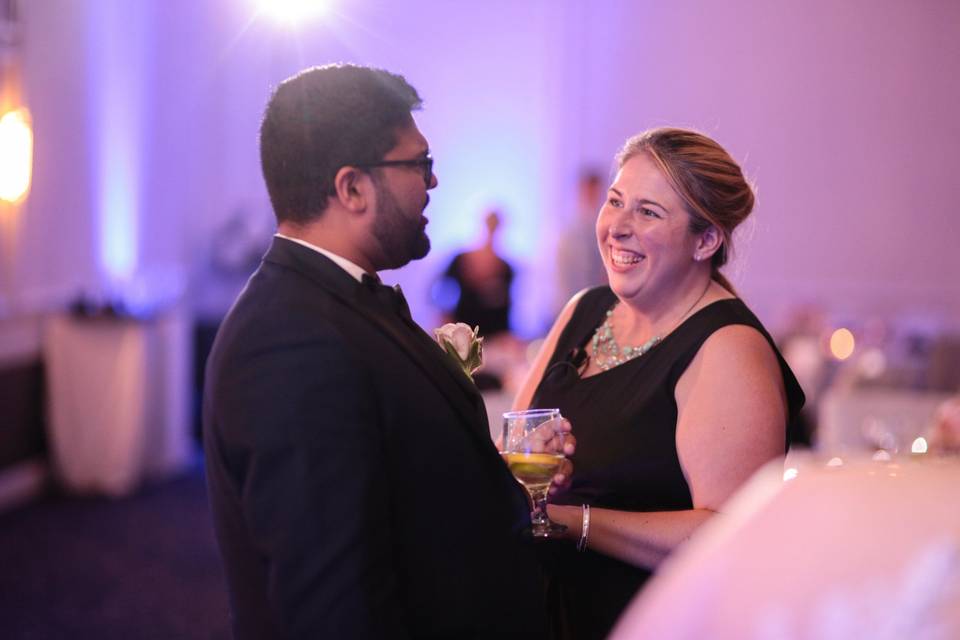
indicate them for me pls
(643, 232)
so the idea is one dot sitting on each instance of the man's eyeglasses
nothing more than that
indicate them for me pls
(425, 164)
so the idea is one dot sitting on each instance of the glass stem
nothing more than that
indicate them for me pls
(540, 501)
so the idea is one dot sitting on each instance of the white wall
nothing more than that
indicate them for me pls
(843, 113)
(55, 248)
(489, 78)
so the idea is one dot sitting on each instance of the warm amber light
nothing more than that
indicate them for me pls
(842, 344)
(16, 155)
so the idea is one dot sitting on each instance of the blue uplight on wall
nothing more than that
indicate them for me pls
(118, 216)
(116, 84)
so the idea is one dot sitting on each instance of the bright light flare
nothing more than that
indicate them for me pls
(291, 12)
(790, 474)
(16, 155)
(842, 344)
(919, 445)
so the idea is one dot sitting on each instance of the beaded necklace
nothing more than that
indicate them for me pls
(607, 353)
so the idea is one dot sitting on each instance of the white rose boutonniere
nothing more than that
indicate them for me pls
(463, 344)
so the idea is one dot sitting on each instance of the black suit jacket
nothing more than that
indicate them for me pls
(354, 487)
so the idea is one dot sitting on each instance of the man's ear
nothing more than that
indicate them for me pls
(708, 244)
(354, 189)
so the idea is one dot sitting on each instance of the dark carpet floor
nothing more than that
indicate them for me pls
(142, 567)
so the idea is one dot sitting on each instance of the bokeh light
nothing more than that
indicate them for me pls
(842, 344)
(16, 155)
(872, 363)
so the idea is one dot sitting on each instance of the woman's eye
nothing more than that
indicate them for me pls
(614, 202)
(649, 213)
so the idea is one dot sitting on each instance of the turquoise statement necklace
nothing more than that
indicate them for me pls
(608, 353)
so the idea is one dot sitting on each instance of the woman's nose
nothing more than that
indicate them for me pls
(620, 229)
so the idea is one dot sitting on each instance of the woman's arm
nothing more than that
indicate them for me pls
(640, 538)
(732, 414)
(731, 420)
(530, 383)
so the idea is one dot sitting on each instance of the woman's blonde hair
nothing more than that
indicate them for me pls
(710, 183)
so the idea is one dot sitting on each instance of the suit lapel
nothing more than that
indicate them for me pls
(429, 345)
(427, 354)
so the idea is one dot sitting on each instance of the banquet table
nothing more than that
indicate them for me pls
(118, 396)
(863, 420)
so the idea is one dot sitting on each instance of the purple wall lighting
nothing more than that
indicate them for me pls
(117, 84)
(843, 113)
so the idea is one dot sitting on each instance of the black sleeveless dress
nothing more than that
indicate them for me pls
(625, 421)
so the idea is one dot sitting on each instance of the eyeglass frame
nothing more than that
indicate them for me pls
(425, 164)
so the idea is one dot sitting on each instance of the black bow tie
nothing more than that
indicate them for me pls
(390, 297)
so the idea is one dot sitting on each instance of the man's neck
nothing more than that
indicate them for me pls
(321, 235)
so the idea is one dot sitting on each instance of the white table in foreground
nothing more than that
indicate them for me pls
(861, 550)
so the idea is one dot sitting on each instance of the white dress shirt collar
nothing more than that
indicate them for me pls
(352, 268)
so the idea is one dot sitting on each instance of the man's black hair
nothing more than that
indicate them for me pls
(322, 119)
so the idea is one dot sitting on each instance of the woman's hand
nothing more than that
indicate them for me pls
(562, 440)
(556, 436)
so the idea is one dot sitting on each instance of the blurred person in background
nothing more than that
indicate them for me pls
(578, 264)
(678, 392)
(475, 289)
(482, 280)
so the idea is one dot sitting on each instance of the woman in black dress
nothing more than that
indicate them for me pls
(676, 391)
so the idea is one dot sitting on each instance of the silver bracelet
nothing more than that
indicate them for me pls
(584, 529)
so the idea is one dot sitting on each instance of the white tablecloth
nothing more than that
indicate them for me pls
(118, 400)
(864, 420)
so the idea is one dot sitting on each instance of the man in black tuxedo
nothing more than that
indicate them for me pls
(354, 487)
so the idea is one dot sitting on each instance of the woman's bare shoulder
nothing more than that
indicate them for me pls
(736, 347)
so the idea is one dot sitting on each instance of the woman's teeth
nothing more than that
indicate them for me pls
(624, 258)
